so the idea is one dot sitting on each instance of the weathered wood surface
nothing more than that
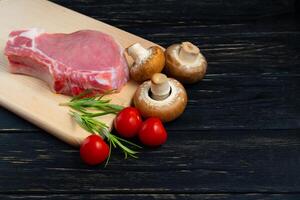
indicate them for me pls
(155, 196)
(238, 139)
(191, 162)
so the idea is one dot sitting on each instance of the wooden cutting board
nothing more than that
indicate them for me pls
(31, 98)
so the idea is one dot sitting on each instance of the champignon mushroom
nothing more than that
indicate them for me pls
(185, 63)
(161, 97)
(146, 61)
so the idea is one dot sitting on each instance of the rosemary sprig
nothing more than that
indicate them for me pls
(84, 110)
(97, 127)
(81, 104)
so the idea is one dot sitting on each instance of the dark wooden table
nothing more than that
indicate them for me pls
(239, 137)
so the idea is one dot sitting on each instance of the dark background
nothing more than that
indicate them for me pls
(238, 138)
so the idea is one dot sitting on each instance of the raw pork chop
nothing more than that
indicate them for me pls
(69, 63)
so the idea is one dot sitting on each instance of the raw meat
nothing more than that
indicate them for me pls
(69, 63)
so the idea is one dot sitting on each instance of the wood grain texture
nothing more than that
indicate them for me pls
(204, 162)
(155, 196)
(219, 102)
(239, 137)
(176, 10)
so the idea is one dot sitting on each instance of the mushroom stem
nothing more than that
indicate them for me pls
(138, 52)
(188, 52)
(160, 88)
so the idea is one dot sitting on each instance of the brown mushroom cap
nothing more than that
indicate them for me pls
(168, 109)
(183, 71)
(154, 63)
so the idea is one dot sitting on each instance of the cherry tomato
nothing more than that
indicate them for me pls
(94, 150)
(152, 132)
(128, 122)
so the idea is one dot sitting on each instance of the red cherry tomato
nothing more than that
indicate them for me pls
(128, 122)
(94, 150)
(152, 132)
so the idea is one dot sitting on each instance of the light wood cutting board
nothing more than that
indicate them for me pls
(31, 98)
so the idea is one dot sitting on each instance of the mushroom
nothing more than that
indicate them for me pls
(185, 62)
(146, 61)
(161, 97)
